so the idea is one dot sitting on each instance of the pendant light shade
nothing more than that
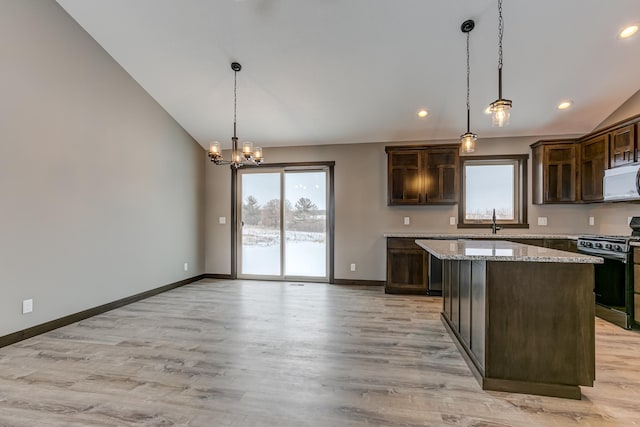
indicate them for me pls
(468, 139)
(468, 142)
(500, 108)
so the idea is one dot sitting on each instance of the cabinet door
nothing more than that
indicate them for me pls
(407, 267)
(404, 177)
(560, 173)
(441, 175)
(595, 160)
(623, 146)
(566, 245)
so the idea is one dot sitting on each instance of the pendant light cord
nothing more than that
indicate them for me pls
(468, 74)
(500, 32)
(235, 101)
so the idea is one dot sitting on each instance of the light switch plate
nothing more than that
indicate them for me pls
(592, 221)
(27, 306)
(542, 220)
(407, 220)
(353, 267)
(222, 220)
(452, 220)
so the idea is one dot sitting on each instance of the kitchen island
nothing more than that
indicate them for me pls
(522, 316)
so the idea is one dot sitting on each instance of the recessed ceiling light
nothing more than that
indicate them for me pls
(423, 113)
(628, 32)
(563, 105)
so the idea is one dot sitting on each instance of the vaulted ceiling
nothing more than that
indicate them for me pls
(348, 71)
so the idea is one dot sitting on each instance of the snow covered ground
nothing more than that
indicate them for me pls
(305, 253)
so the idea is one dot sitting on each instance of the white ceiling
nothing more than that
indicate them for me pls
(345, 71)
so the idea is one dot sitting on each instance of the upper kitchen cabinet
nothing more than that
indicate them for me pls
(404, 170)
(442, 175)
(555, 171)
(422, 175)
(594, 161)
(622, 146)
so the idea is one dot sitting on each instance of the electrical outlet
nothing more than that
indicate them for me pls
(452, 220)
(27, 306)
(407, 220)
(222, 220)
(353, 267)
(592, 220)
(542, 220)
(186, 266)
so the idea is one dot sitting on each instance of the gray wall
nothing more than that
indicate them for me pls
(629, 108)
(362, 214)
(101, 192)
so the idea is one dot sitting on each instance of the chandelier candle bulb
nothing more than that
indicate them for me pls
(257, 154)
(247, 149)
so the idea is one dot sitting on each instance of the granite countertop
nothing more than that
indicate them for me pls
(453, 236)
(500, 250)
(634, 243)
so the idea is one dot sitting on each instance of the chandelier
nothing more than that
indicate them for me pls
(468, 139)
(248, 155)
(500, 108)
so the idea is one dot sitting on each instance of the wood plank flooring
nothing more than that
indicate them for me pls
(246, 353)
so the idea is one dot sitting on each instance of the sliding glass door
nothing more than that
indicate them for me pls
(283, 224)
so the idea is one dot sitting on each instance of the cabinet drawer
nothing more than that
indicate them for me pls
(636, 301)
(636, 278)
(402, 243)
(636, 255)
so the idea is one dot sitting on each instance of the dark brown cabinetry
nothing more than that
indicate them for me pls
(421, 175)
(594, 161)
(523, 327)
(407, 267)
(622, 147)
(572, 171)
(555, 171)
(405, 177)
(442, 175)
(562, 244)
(411, 270)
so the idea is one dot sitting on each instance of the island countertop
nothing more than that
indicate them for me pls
(500, 250)
(487, 236)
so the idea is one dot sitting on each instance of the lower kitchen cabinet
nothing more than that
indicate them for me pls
(411, 270)
(561, 244)
(407, 267)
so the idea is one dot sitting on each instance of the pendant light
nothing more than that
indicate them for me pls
(500, 108)
(468, 139)
(249, 154)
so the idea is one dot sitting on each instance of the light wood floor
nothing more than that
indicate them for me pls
(223, 353)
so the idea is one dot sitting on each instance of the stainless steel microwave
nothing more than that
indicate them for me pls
(622, 183)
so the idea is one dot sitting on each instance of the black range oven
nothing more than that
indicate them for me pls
(614, 279)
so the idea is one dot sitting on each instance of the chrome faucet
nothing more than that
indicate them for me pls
(494, 227)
